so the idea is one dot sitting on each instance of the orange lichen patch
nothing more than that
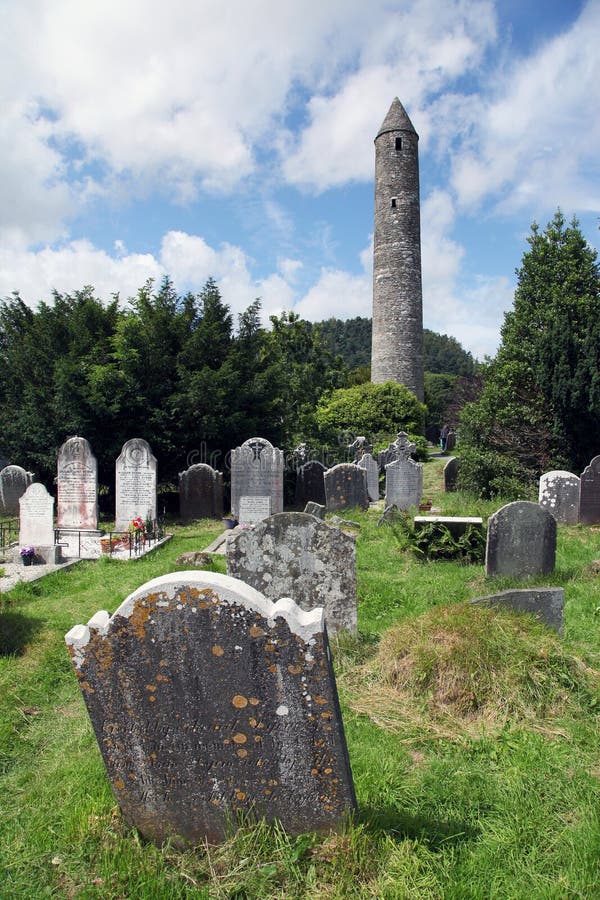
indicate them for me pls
(314, 771)
(153, 756)
(257, 739)
(269, 646)
(267, 792)
(217, 650)
(255, 631)
(252, 722)
(150, 687)
(203, 604)
(214, 801)
(140, 615)
(328, 771)
(272, 668)
(162, 678)
(86, 686)
(294, 670)
(119, 785)
(242, 753)
(239, 738)
(240, 795)
(260, 762)
(131, 776)
(239, 701)
(319, 700)
(254, 701)
(103, 652)
(326, 715)
(152, 698)
(273, 782)
(163, 664)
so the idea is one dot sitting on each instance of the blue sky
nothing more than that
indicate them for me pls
(201, 138)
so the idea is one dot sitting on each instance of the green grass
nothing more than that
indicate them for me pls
(473, 737)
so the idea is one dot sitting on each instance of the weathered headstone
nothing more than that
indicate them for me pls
(257, 471)
(589, 494)
(369, 464)
(310, 484)
(135, 484)
(14, 481)
(401, 448)
(200, 493)
(207, 699)
(295, 555)
(521, 541)
(403, 483)
(559, 494)
(546, 604)
(450, 475)
(253, 510)
(346, 487)
(315, 509)
(77, 485)
(36, 522)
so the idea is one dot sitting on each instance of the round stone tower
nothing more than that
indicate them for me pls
(397, 348)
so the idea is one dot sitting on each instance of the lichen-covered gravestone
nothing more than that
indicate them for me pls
(371, 467)
(559, 494)
(346, 487)
(296, 555)
(310, 483)
(200, 493)
(589, 494)
(14, 481)
(207, 700)
(77, 485)
(521, 541)
(135, 484)
(257, 471)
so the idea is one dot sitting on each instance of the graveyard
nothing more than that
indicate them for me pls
(471, 730)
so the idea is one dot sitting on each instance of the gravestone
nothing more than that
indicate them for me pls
(257, 471)
(403, 483)
(254, 509)
(36, 522)
(208, 700)
(77, 486)
(521, 541)
(200, 493)
(317, 510)
(370, 466)
(346, 487)
(310, 484)
(14, 481)
(296, 555)
(450, 475)
(135, 484)
(589, 494)
(546, 604)
(559, 494)
(401, 448)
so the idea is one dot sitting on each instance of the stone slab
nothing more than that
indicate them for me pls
(547, 604)
(296, 555)
(456, 525)
(208, 700)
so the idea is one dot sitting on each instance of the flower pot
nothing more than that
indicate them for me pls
(27, 560)
(229, 523)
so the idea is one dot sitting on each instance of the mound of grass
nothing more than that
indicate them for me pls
(456, 670)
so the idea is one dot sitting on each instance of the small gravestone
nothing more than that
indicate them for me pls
(346, 487)
(450, 441)
(77, 485)
(403, 483)
(14, 481)
(521, 541)
(253, 510)
(589, 494)
(295, 555)
(257, 471)
(310, 483)
(546, 604)
(559, 494)
(135, 484)
(36, 522)
(200, 493)
(208, 700)
(450, 475)
(370, 466)
(317, 510)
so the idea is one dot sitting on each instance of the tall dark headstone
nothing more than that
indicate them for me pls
(451, 475)
(200, 493)
(397, 344)
(207, 699)
(257, 471)
(14, 481)
(521, 541)
(589, 494)
(295, 555)
(310, 484)
(346, 487)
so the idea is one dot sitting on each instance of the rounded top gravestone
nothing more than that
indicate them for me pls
(589, 494)
(77, 485)
(14, 481)
(135, 483)
(521, 541)
(559, 494)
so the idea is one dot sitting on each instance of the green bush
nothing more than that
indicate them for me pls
(489, 474)
(369, 409)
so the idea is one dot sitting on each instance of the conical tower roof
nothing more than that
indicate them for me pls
(396, 119)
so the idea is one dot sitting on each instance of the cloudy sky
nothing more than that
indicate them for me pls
(234, 139)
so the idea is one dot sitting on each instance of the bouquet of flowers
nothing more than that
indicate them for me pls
(137, 525)
(26, 552)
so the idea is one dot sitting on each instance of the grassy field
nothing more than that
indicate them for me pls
(473, 738)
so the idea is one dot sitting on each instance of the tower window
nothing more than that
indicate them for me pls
(393, 203)
(398, 144)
